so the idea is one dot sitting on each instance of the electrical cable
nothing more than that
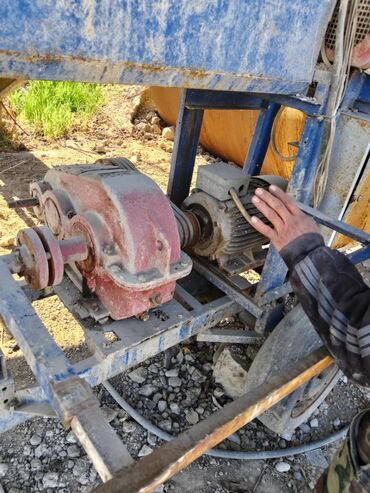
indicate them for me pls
(234, 195)
(344, 43)
(274, 148)
(225, 454)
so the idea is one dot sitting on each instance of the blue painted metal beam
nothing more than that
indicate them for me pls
(45, 358)
(189, 123)
(261, 139)
(257, 45)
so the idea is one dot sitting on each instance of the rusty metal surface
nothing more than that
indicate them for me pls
(134, 256)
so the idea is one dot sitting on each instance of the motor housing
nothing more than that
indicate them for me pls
(225, 235)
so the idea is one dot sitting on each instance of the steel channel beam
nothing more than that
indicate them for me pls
(216, 278)
(153, 470)
(125, 357)
(188, 125)
(261, 139)
(230, 336)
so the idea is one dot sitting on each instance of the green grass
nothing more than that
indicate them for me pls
(54, 107)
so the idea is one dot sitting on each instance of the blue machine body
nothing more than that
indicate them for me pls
(238, 45)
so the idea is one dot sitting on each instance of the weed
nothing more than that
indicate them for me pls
(53, 107)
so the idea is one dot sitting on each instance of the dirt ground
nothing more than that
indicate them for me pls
(24, 467)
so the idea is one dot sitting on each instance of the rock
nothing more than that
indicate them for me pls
(145, 450)
(198, 376)
(71, 438)
(153, 368)
(175, 408)
(314, 423)
(191, 416)
(230, 372)
(139, 375)
(165, 425)
(316, 458)
(173, 372)
(50, 480)
(344, 379)
(128, 427)
(36, 464)
(282, 466)
(7, 241)
(143, 127)
(162, 405)
(101, 149)
(3, 469)
(49, 433)
(305, 428)
(174, 382)
(41, 451)
(27, 450)
(336, 422)
(155, 120)
(298, 476)
(156, 129)
(109, 413)
(73, 451)
(80, 468)
(148, 390)
(169, 133)
(35, 440)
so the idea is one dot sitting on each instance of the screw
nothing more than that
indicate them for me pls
(156, 299)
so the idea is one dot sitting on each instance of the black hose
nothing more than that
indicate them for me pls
(226, 454)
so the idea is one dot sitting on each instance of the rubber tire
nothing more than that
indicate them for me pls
(292, 339)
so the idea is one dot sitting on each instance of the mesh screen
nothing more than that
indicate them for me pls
(363, 25)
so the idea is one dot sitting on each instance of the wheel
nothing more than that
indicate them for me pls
(292, 339)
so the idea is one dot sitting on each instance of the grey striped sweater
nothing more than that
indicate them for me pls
(336, 299)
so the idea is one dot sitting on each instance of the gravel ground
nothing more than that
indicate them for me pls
(41, 456)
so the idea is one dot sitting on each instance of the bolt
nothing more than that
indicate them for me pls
(156, 299)
(94, 307)
(144, 316)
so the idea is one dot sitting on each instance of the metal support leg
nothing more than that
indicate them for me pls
(189, 122)
(301, 186)
(261, 139)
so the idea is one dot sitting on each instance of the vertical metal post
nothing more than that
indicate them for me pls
(261, 139)
(301, 186)
(189, 122)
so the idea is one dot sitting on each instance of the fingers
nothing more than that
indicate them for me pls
(268, 211)
(285, 198)
(273, 202)
(262, 228)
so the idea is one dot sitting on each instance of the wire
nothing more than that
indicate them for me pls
(234, 195)
(274, 148)
(225, 454)
(344, 43)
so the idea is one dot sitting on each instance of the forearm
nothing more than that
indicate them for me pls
(335, 299)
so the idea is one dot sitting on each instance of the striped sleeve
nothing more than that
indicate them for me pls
(336, 299)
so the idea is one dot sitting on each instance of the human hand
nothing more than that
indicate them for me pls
(288, 221)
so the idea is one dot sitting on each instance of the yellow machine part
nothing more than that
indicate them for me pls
(228, 133)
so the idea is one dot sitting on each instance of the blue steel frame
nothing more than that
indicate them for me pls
(272, 283)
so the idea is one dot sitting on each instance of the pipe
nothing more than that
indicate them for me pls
(226, 454)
